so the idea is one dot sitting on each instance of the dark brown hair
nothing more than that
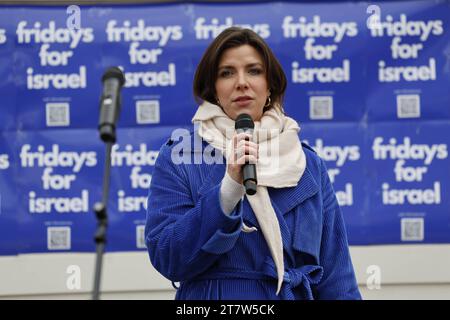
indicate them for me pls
(207, 70)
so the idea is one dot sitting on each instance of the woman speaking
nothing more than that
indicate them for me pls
(287, 240)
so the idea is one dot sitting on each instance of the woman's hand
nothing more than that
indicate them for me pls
(243, 151)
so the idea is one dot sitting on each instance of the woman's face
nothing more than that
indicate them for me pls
(241, 84)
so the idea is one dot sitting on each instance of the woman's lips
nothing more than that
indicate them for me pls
(243, 101)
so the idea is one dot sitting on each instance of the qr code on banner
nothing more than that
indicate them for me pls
(147, 111)
(58, 238)
(57, 114)
(320, 107)
(412, 229)
(140, 237)
(408, 106)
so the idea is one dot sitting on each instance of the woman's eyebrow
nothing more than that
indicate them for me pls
(250, 65)
(225, 66)
(256, 64)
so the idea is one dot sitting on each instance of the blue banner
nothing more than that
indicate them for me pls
(368, 83)
(409, 182)
(60, 180)
(408, 64)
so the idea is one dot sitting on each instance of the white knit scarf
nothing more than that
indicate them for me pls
(281, 164)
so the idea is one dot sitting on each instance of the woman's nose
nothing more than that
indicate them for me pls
(242, 82)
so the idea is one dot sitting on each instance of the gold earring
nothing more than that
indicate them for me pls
(269, 103)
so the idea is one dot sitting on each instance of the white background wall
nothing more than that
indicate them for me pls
(406, 272)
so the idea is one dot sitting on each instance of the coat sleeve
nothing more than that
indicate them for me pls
(338, 281)
(184, 238)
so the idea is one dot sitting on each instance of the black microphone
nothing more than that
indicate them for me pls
(244, 123)
(113, 80)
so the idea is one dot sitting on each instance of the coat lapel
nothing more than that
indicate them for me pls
(292, 200)
(287, 199)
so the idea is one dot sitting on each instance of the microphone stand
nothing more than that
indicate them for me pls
(100, 209)
(113, 80)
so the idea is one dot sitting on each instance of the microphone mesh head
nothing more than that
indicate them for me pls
(114, 72)
(244, 121)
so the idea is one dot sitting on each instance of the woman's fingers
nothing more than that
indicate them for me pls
(247, 159)
(246, 149)
(243, 136)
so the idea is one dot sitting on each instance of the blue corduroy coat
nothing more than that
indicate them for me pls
(190, 239)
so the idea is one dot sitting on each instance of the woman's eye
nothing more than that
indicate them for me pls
(255, 71)
(225, 73)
